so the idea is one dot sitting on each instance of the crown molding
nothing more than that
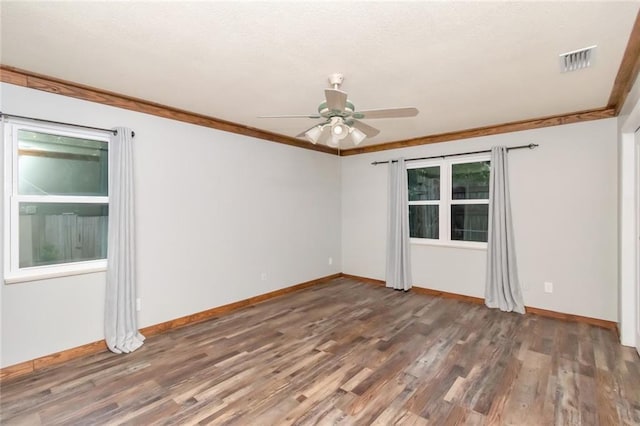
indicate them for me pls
(514, 126)
(44, 83)
(628, 71)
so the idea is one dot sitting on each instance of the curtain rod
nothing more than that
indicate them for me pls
(100, 129)
(530, 146)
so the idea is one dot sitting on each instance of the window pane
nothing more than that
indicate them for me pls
(54, 233)
(469, 222)
(424, 183)
(60, 165)
(470, 181)
(424, 222)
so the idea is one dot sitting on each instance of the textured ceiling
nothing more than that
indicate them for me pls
(462, 64)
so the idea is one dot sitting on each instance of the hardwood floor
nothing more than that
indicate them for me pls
(346, 353)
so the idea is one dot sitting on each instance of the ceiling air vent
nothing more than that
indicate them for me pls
(577, 59)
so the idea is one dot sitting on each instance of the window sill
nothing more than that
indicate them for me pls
(450, 244)
(48, 272)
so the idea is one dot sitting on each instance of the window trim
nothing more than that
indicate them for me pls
(446, 201)
(12, 271)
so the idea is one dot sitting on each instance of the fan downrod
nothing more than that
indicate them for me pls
(336, 79)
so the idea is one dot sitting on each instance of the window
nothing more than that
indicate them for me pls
(449, 201)
(56, 201)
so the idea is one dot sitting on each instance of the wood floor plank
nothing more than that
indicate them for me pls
(607, 407)
(346, 353)
(526, 400)
(378, 402)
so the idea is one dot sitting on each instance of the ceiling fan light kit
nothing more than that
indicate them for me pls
(313, 134)
(357, 136)
(342, 118)
(338, 128)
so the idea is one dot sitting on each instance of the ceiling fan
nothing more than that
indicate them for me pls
(341, 120)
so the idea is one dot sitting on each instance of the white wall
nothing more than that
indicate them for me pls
(214, 211)
(564, 212)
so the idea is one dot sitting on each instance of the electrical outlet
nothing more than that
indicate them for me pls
(548, 287)
(331, 261)
(263, 276)
(138, 304)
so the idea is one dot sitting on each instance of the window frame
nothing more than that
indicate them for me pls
(446, 201)
(13, 273)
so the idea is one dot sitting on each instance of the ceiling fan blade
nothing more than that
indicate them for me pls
(290, 116)
(365, 128)
(386, 113)
(336, 99)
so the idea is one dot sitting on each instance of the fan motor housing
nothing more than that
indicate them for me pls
(324, 111)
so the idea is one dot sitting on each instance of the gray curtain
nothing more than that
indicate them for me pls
(121, 325)
(398, 254)
(502, 286)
